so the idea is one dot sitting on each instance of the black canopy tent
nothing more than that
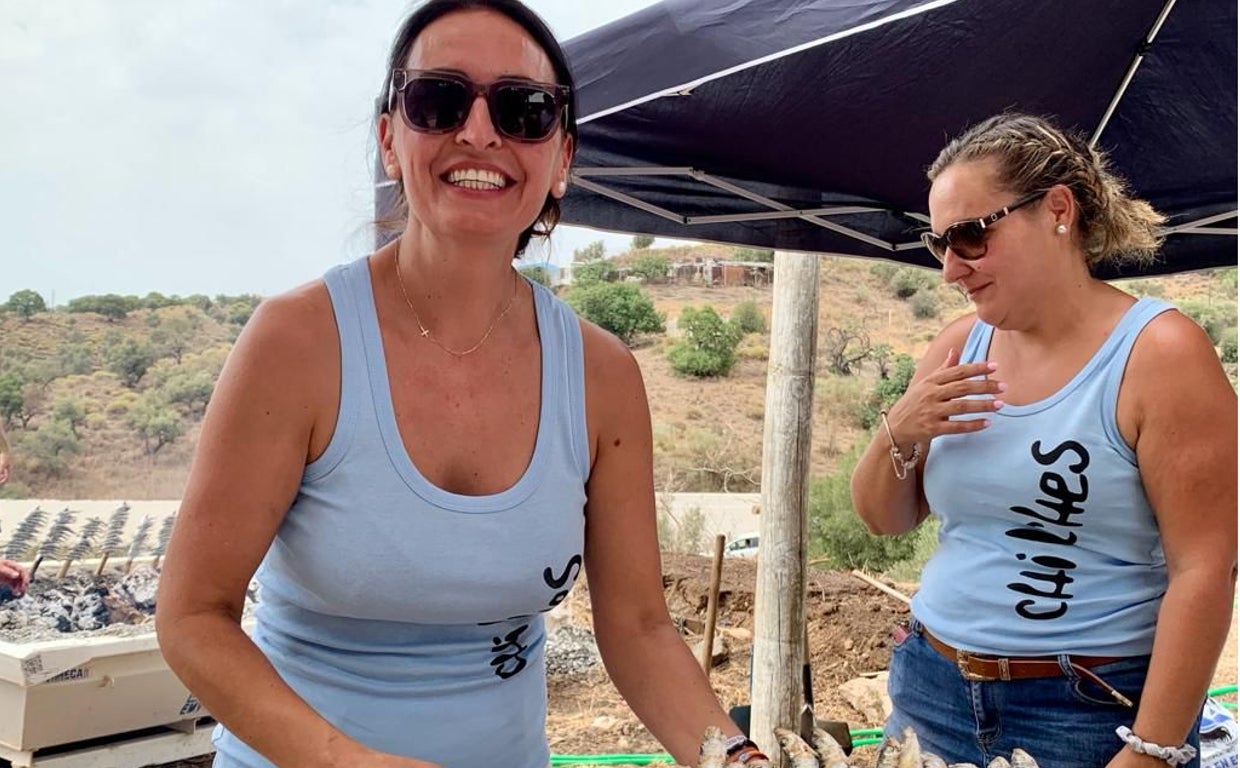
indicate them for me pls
(806, 125)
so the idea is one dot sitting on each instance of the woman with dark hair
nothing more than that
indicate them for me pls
(1078, 447)
(419, 454)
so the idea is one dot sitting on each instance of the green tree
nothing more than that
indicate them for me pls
(190, 390)
(130, 359)
(75, 358)
(620, 308)
(650, 267)
(593, 272)
(26, 303)
(591, 252)
(708, 347)
(156, 423)
(748, 318)
(112, 306)
(71, 411)
(178, 327)
(11, 399)
(49, 448)
(538, 273)
(642, 242)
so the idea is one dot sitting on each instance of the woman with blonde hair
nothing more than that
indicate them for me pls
(1078, 447)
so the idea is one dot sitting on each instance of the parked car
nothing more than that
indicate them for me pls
(745, 545)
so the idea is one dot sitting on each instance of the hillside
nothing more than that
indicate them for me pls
(100, 407)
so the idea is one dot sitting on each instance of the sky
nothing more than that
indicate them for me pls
(200, 146)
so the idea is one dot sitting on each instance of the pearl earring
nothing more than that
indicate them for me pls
(561, 188)
(392, 170)
(1062, 229)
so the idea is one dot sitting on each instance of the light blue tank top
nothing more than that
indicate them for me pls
(1047, 542)
(408, 616)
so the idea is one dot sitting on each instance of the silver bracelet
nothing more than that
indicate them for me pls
(1173, 756)
(900, 464)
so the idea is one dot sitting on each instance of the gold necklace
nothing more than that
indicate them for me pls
(426, 332)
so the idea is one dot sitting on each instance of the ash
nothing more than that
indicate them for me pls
(112, 604)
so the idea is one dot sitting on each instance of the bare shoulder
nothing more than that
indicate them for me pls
(610, 365)
(287, 357)
(1173, 342)
(296, 321)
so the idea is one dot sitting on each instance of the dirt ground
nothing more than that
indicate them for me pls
(849, 629)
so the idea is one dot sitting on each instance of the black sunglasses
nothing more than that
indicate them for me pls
(967, 238)
(439, 102)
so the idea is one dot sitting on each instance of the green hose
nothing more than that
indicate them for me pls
(862, 737)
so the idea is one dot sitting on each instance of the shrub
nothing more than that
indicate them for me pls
(907, 281)
(709, 344)
(887, 391)
(594, 272)
(838, 536)
(748, 318)
(50, 447)
(925, 304)
(651, 268)
(1213, 316)
(1227, 347)
(620, 308)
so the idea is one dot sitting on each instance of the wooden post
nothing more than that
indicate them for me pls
(779, 612)
(712, 607)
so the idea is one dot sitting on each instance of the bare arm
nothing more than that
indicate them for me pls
(649, 662)
(1186, 450)
(885, 503)
(254, 446)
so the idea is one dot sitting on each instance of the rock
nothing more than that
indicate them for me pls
(868, 695)
(736, 633)
(604, 723)
(719, 649)
(571, 650)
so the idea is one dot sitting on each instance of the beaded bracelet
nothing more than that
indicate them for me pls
(1173, 756)
(900, 464)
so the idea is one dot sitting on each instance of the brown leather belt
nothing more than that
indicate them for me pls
(984, 668)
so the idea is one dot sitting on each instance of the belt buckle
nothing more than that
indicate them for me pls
(962, 663)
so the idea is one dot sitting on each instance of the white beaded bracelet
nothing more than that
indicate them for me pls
(1173, 756)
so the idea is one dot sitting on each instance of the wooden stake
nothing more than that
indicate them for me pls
(881, 586)
(712, 607)
(779, 611)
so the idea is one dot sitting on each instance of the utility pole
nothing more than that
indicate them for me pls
(779, 613)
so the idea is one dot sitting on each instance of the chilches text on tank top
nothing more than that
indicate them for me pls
(1047, 542)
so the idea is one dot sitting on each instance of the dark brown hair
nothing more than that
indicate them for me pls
(394, 220)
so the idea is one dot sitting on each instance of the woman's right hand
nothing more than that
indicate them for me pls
(925, 409)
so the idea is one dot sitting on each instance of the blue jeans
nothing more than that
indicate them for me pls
(1063, 721)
